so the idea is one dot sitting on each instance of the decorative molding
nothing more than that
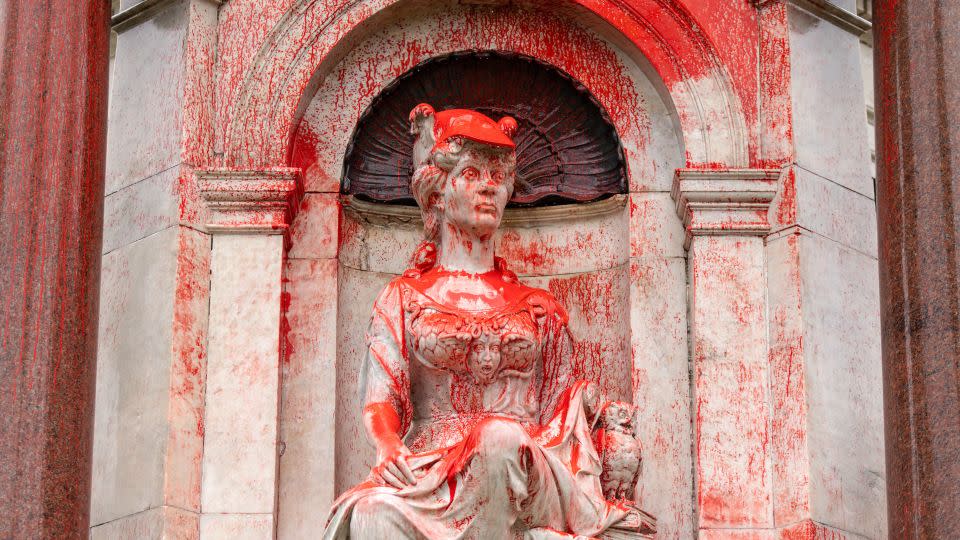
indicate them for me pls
(249, 201)
(140, 12)
(724, 201)
(522, 218)
(829, 12)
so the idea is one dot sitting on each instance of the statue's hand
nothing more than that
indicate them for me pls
(393, 469)
(637, 520)
(592, 400)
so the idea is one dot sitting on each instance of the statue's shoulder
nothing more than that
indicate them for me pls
(542, 303)
(391, 294)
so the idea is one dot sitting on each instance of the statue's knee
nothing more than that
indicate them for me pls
(371, 507)
(503, 436)
(377, 516)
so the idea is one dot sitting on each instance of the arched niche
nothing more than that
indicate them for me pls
(567, 148)
(617, 264)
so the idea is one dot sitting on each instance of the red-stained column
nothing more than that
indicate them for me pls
(725, 216)
(53, 95)
(917, 66)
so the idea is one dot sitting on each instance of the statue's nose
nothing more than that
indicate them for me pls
(488, 188)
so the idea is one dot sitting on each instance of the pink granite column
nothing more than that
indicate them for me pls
(53, 96)
(917, 59)
(725, 216)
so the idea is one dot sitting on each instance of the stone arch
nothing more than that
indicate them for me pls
(305, 45)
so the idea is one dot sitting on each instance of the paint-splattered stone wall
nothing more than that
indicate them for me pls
(237, 283)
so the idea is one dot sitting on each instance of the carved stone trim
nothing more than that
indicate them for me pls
(136, 14)
(249, 201)
(829, 12)
(394, 215)
(835, 15)
(724, 201)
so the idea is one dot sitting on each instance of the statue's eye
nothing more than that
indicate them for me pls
(495, 348)
(498, 176)
(470, 173)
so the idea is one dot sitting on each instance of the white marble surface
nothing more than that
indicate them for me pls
(566, 246)
(315, 230)
(828, 102)
(788, 393)
(655, 228)
(133, 373)
(146, 96)
(188, 361)
(728, 332)
(842, 357)
(308, 416)
(163, 522)
(377, 247)
(354, 453)
(237, 527)
(661, 390)
(243, 375)
(836, 212)
(140, 209)
(538, 247)
(598, 303)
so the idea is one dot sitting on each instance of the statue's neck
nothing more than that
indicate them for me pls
(465, 252)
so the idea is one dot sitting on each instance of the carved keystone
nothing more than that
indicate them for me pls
(725, 201)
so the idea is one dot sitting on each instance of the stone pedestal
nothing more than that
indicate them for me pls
(53, 97)
(918, 201)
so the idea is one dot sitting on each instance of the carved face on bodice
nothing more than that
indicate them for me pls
(477, 346)
(477, 191)
(483, 357)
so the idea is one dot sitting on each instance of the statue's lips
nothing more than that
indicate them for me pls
(486, 208)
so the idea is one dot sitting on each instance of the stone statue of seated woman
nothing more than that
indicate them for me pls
(472, 397)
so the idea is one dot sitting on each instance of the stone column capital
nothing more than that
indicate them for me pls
(731, 202)
(261, 201)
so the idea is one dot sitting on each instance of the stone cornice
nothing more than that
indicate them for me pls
(141, 11)
(249, 201)
(724, 201)
(394, 214)
(830, 12)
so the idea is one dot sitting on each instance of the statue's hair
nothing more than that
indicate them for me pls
(427, 185)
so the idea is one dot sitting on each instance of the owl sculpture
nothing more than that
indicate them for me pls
(619, 451)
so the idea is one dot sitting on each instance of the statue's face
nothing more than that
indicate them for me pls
(477, 191)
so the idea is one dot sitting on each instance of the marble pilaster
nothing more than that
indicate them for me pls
(248, 214)
(725, 216)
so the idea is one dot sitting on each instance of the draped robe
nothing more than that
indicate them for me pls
(489, 396)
